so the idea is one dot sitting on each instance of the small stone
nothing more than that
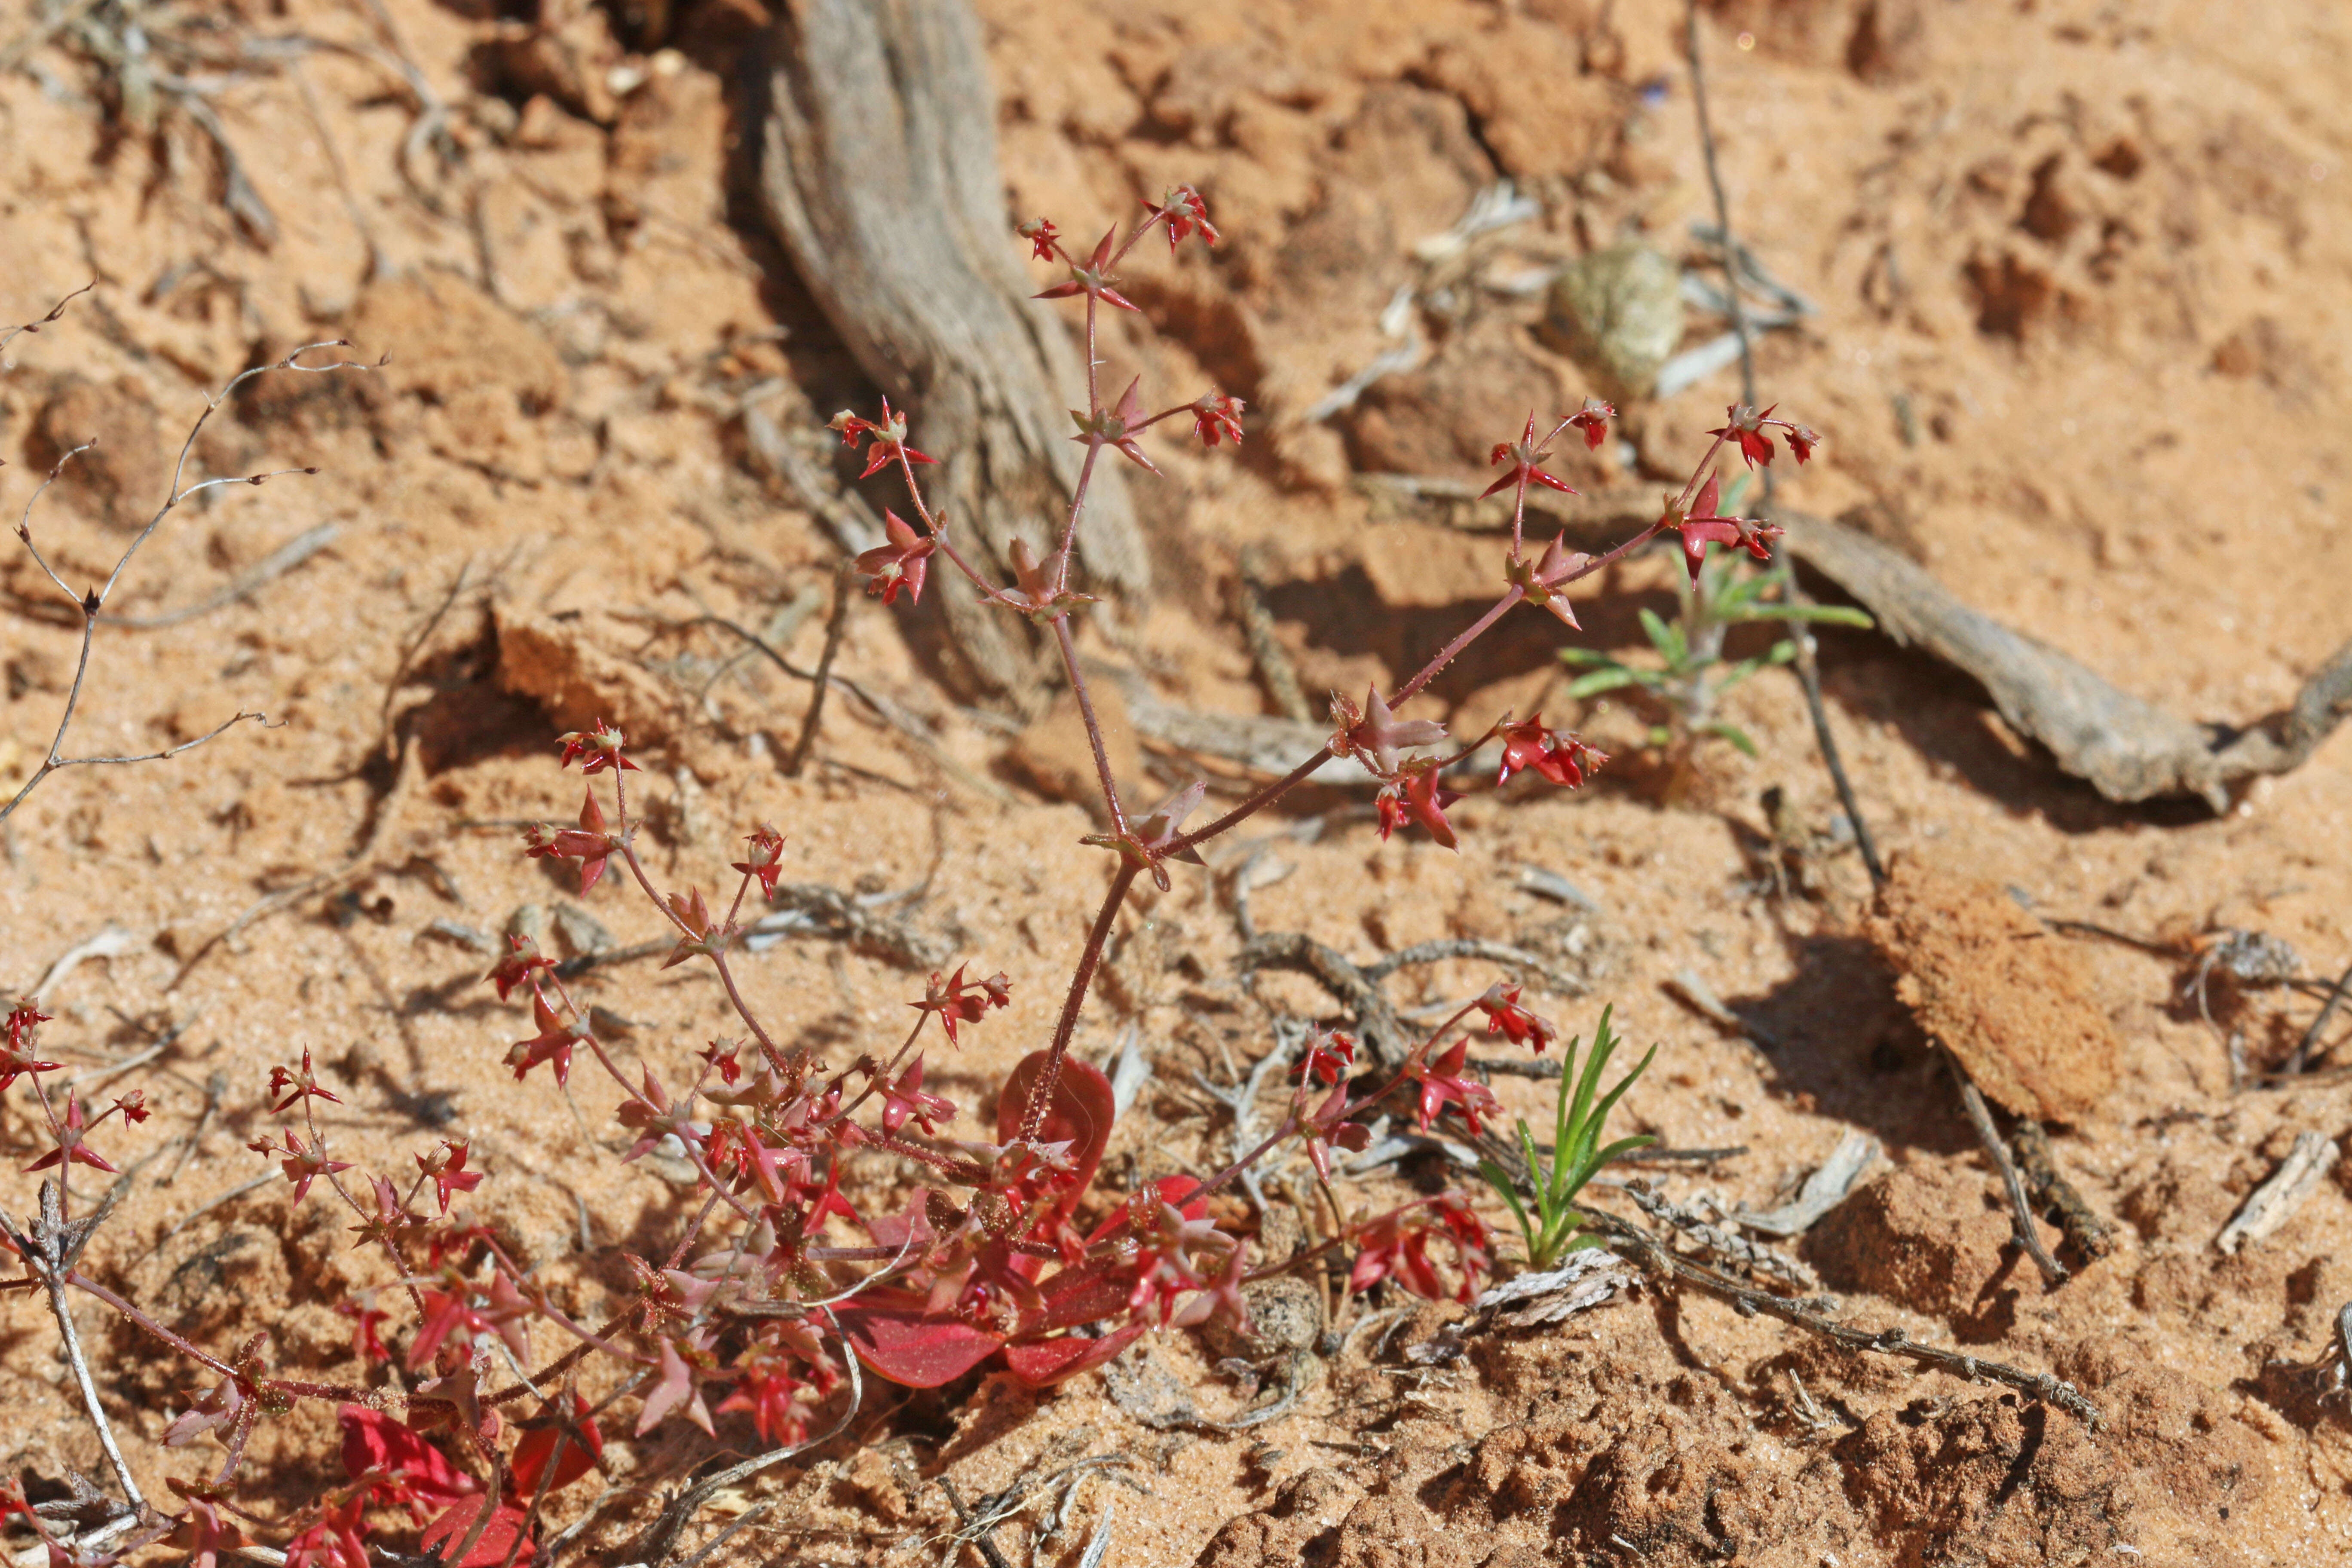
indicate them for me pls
(1619, 313)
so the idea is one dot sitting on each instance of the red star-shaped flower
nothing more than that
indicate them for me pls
(293, 1086)
(1593, 420)
(1044, 239)
(1700, 527)
(889, 438)
(903, 1100)
(1117, 425)
(1330, 1056)
(766, 860)
(1515, 1023)
(1443, 1084)
(1414, 796)
(1216, 415)
(900, 562)
(599, 749)
(446, 1166)
(1185, 211)
(589, 843)
(1525, 456)
(1091, 279)
(963, 1001)
(515, 969)
(1532, 744)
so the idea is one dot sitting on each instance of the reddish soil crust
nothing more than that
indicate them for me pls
(2099, 256)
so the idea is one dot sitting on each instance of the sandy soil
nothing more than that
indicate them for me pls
(2084, 279)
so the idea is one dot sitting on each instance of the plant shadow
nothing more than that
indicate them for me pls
(1844, 1042)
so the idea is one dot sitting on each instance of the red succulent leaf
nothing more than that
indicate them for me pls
(582, 1445)
(677, 1387)
(496, 1541)
(203, 1534)
(1326, 1126)
(1091, 278)
(337, 1539)
(900, 1336)
(1541, 580)
(70, 1150)
(409, 1470)
(1117, 425)
(1375, 737)
(1080, 1114)
(1040, 1363)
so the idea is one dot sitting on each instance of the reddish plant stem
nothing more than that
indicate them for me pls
(1069, 545)
(83, 1282)
(1032, 1116)
(742, 1009)
(873, 1081)
(1094, 728)
(1253, 804)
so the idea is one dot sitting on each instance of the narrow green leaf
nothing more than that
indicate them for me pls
(1736, 735)
(1601, 680)
(1826, 614)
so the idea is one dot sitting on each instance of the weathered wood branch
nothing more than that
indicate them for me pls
(2129, 749)
(878, 173)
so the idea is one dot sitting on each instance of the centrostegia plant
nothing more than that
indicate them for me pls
(481, 1399)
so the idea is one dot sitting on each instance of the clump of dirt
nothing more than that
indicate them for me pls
(1935, 1239)
(108, 447)
(1995, 988)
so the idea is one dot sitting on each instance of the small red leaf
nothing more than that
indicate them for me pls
(443, 1533)
(1081, 1112)
(530, 1455)
(897, 1337)
(375, 1441)
(1042, 1362)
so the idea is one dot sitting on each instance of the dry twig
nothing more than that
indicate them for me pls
(2273, 1204)
(1646, 1249)
(2020, 1211)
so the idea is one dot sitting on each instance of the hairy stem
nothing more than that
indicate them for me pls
(1069, 647)
(1032, 1117)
